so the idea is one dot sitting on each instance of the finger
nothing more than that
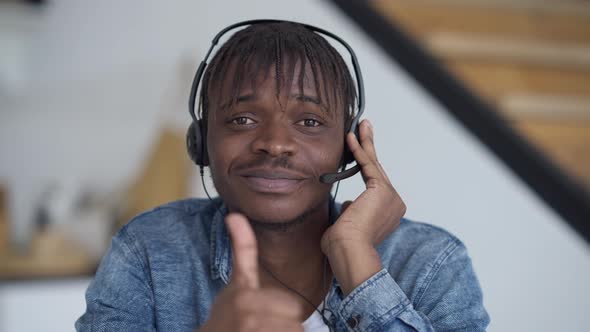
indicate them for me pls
(245, 252)
(345, 206)
(369, 167)
(367, 139)
(272, 302)
(262, 322)
(273, 324)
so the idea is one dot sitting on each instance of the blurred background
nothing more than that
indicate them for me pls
(93, 113)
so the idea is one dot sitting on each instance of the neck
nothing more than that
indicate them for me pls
(292, 259)
(294, 248)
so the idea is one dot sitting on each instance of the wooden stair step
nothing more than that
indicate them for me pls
(494, 48)
(540, 22)
(567, 143)
(530, 59)
(546, 107)
(494, 80)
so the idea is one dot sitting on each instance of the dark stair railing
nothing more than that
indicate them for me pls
(567, 197)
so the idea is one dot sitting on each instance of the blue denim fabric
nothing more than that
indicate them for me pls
(165, 267)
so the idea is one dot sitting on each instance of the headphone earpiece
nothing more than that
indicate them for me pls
(196, 143)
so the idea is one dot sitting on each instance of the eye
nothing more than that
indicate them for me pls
(310, 123)
(242, 121)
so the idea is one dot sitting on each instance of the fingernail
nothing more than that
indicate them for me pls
(370, 124)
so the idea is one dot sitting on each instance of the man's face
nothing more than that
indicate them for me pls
(267, 153)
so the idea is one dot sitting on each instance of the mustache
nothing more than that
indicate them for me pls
(264, 161)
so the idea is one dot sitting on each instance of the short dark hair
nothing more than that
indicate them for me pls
(259, 46)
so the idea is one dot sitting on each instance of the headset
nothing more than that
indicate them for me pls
(196, 136)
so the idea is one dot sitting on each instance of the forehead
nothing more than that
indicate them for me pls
(289, 76)
(290, 73)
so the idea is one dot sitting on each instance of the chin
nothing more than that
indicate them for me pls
(276, 209)
(280, 220)
(272, 209)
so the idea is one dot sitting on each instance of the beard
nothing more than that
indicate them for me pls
(286, 226)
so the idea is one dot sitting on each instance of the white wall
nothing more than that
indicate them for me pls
(106, 75)
(42, 306)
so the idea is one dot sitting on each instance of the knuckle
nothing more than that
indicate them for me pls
(288, 300)
(249, 323)
(243, 300)
(296, 307)
(246, 322)
(403, 208)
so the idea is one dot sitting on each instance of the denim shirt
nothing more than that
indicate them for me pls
(166, 266)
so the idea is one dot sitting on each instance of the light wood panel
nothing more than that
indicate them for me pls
(567, 143)
(579, 8)
(163, 178)
(503, 49)
(547, 107)
(50, 255)
(494, 80)
(420, 18)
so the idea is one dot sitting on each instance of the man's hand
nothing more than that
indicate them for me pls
(243, 305)
(376, 213)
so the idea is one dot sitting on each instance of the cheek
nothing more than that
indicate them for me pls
(327, 157)
(220, 157)
(331, 157)
(220, 154)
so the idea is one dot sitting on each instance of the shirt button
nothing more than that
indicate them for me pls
(353, 321)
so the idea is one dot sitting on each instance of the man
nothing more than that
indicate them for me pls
(274, 252)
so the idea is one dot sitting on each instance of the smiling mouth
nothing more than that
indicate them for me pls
(275, 186)
(272, 182)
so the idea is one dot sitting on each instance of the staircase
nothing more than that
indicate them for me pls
(530, 59)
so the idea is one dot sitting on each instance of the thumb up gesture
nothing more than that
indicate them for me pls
(243, 305)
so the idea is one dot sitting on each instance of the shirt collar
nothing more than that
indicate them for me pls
(220, 254)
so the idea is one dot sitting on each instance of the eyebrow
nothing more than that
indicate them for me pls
(310, 99)
(300, 97)
(240, 99)
(306, 98)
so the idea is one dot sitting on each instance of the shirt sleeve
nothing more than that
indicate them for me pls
(449, 298)
(120, 297)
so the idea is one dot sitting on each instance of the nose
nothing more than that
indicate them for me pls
(275, 139)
